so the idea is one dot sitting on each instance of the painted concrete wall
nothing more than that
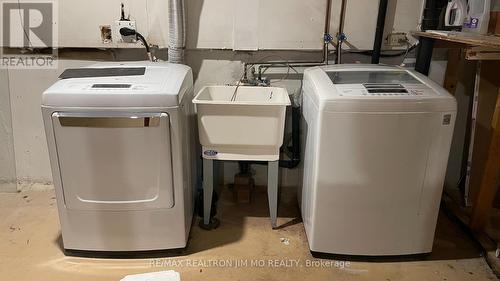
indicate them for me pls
(361, 18)
(291, 24)
(236, 24)
(80, 21)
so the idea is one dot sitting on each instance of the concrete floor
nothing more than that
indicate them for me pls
(30, 249)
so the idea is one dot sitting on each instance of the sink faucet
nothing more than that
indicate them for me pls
(255, 80)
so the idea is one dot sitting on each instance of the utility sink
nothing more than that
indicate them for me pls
(241, 123)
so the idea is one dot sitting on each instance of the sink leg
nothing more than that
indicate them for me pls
(208, 188)
(272, 190)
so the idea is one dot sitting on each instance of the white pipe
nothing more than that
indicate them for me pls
(177, 31)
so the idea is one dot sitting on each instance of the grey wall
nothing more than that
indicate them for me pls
(7, 159)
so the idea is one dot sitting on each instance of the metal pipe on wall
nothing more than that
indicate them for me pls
(340, 34)
(304, 63)
(379, 32)
(327, 36)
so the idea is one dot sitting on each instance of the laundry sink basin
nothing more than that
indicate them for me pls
(241, 123)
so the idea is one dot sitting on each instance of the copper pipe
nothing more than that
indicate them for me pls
(338, 58)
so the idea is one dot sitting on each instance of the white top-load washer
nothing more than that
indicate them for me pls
(122, 153)
(376, 141)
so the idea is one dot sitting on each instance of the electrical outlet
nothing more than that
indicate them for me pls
(397, 39)
(117, 37)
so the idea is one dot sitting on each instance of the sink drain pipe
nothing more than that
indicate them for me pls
(295, 159)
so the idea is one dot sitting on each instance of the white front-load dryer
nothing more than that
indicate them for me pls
(376, 141)
(121, 144)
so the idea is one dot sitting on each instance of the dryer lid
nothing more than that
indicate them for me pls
(160, 85)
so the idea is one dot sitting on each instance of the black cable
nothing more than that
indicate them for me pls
(369, 53)
(143, 40)
(125, 31)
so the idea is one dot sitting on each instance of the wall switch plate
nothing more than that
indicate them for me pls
(117, 37)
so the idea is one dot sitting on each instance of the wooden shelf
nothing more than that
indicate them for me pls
(470, 39)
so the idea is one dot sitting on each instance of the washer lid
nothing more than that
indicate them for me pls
(161, 85)
(373, 88)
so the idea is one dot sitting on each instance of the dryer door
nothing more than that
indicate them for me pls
(114, 161)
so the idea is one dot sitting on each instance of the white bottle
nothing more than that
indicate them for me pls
(456, 11)
(478, 16)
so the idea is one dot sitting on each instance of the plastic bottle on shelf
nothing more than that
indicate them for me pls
(478, 16)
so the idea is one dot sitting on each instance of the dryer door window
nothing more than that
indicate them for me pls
(114, 161)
